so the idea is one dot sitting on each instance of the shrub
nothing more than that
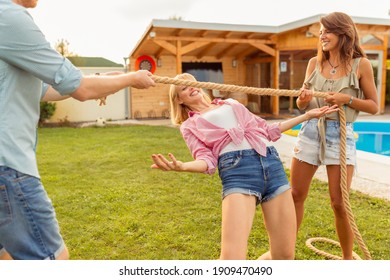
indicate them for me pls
(47, 111)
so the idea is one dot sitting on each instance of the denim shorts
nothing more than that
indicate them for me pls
(28, 226)
(249, 173)
(307, 147)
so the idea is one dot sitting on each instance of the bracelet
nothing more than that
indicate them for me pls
(350, 100)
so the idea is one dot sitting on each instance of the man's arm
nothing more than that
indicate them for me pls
(52, 95)
(99, 86)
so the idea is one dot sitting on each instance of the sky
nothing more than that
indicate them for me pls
(111, 29)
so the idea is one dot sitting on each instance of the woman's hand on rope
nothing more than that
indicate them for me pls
(319, 112)
(337, 98)
(306, 95)
(162, 163)
(304, 98)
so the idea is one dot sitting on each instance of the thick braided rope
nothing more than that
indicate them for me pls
(232, 88)
(343, 137)
(343, 181)
(325, 254)
(345, 195)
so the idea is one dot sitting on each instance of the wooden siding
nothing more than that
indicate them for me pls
(154, 102)
(256, 50)
(298, 39)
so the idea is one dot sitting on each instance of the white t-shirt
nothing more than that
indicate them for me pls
(223, 116)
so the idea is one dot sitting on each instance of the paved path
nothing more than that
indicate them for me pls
(372, 176)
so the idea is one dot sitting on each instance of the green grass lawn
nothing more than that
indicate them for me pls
(112, 206)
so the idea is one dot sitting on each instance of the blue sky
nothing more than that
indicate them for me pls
(112, 28)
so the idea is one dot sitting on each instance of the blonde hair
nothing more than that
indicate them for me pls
(179, 112)
(343, 26)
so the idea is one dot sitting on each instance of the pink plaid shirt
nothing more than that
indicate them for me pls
(205, 140)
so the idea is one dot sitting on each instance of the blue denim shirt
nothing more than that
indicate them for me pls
(27, 65)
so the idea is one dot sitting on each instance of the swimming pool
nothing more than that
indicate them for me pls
(372, 137)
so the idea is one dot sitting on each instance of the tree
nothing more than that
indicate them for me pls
(47, 108)
(175, 17)
(62, 46)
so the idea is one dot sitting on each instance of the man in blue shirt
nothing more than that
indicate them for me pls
(31, 71)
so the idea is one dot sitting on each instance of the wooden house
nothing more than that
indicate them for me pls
(247, 55)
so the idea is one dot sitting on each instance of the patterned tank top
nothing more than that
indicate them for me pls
(348, 84)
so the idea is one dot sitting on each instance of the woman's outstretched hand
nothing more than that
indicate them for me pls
(319, 112)
(162, 163)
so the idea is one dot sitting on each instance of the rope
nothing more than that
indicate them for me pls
(343, 180)
(323, 253)
(343, 156)
(233, 88)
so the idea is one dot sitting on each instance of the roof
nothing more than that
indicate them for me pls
(316, 18)
(83, 61)
(215, 39)
(218, 39)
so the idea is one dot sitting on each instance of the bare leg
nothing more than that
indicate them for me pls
(238, 211)
(280, 221)
(5, 257)
(64, 255)
(343, 227)
(301, 175)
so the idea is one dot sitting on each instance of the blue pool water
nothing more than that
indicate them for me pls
(373, 137)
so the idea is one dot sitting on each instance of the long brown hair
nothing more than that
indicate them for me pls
(179, 112)
(343, 26)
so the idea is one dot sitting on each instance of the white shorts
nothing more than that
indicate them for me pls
(307, 146)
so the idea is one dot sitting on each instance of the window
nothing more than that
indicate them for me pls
(205, 72)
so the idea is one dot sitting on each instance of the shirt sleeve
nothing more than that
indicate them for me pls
(199, 150)
(45, 88)
(24, 46)
(272, 130)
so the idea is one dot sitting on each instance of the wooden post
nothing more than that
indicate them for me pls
(275, 99)
(383, 73)
(179, 68)
(291, 103)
